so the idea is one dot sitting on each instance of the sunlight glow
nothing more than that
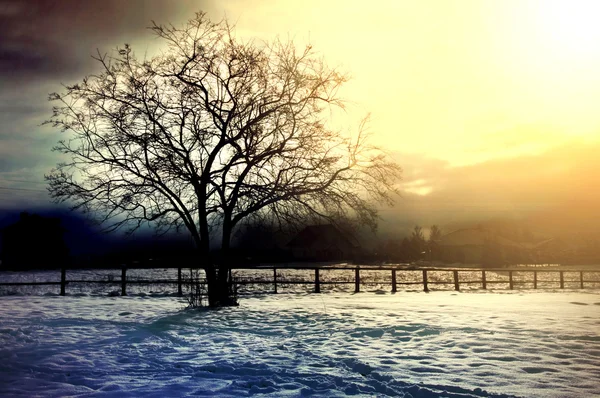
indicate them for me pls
(467, 81)
(419, 187)
(573, 25)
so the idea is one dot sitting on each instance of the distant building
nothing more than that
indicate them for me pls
(33, 242)
(323, 243)
(480, 246)
(558, 251)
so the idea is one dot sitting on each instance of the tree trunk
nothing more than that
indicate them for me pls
(218, 284)
(220, 292)
(219, 288)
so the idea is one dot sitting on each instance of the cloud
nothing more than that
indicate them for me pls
(51, 38)
(44, 43)
(557, 189)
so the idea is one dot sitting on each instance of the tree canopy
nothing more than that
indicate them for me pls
(210, 132)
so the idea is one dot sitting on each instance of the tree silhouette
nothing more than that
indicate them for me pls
(417, 240)
(209, 133)
(435, 233)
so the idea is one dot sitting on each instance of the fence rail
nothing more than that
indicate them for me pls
(425, 279)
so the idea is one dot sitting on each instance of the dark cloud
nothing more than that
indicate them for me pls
(44, 43)
(54, 38)
(24, 144)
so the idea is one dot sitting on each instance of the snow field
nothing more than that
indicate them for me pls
(441, 344)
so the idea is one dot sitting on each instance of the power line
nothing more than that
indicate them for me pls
(14, 194)
(22, 181)
(16, 199)
(22, 189)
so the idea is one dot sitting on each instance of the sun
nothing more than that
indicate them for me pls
(573, 25)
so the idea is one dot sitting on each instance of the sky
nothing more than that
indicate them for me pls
(490, 107)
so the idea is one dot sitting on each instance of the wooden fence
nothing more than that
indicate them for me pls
(424, 281)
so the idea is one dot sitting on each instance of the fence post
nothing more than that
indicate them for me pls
(425, 288)
(179, 286)
(393, 281)
(63, 281)
(356, 280)
(317, 281)
(124, 281)
(483, 280)
(562, 280)
(510, 280)
(275, 280)
(456, 285)
(581, 279)
(535, 279)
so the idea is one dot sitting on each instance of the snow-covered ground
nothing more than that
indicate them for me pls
(412, 344)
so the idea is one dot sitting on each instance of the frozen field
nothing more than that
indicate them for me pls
(411, 344)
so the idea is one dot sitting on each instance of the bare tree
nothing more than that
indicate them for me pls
(417, 240)
(213, 131)
(435, 233)
(433, 249)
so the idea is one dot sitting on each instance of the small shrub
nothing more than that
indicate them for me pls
(195, 284)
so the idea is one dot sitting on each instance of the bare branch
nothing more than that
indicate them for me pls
(211, 132)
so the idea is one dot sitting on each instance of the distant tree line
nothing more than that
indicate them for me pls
(37, 242)
(411, 248)
(33, 242)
